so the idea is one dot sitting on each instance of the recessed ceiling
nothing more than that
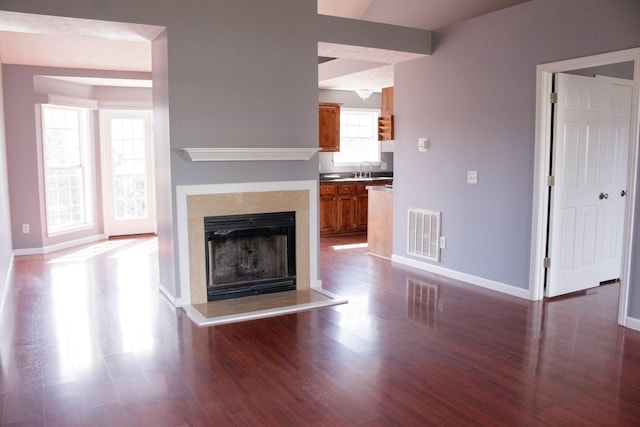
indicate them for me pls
(49, 41)
(424, 14)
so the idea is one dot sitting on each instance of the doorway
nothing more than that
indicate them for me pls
(542, 214)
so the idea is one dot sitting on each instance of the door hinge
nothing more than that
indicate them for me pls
(551, 181)
(553, 97)
(547, 262)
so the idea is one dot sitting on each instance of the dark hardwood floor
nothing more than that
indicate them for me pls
(86, 339)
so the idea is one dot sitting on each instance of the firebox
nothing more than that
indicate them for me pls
(249, 254)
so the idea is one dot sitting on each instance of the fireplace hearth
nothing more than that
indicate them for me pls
(249, 254)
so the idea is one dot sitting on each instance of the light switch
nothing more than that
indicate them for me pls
(472, 177)
(423, 144)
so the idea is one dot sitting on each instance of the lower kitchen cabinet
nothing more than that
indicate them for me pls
(328, 208)
(344, 206)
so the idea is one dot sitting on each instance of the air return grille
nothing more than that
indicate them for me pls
(423, 234)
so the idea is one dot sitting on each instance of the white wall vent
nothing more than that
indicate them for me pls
(423, 234)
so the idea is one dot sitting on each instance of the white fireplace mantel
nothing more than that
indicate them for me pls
(227, 154)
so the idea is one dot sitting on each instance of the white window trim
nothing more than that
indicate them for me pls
(89, 172)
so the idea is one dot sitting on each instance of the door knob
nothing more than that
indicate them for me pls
(603, 196)
(623, 193)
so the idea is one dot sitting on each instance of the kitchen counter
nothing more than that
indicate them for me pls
(387, 188)
(380, 221)
(349, 177)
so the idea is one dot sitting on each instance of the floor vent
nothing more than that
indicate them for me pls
(423, 234)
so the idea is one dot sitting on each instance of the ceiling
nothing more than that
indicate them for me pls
(81, 43)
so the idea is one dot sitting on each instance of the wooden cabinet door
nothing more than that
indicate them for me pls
(345, 213)
(329, 126)
(346, 207)
(328, 208)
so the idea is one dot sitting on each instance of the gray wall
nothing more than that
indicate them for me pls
(475, 99)
(6, 247)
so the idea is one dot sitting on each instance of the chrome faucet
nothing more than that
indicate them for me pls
(368, 173)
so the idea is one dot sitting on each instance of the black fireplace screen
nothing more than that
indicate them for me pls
(249, 254)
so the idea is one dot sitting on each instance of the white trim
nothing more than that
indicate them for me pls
(7, 282)
(632, 323)
(463, 277)
(125, 105)
(64, 245)
(242, 154)
(544, 74)
(182, 191)
(70, 101)
(169, 296)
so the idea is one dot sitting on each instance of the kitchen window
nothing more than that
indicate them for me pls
(358, 137)
(67, 168)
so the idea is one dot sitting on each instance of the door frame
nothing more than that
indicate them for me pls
(541, 199)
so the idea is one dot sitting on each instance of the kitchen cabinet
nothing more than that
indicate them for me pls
(344, 206)
(328, 208)
(385, 121)
(329, 127)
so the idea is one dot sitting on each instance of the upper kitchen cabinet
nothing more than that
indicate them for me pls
(329, 124)
(385, 121)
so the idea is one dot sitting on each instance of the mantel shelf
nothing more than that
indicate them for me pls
(245, 154)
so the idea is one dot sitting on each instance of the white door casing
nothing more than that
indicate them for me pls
(128, 186)
(540, 208)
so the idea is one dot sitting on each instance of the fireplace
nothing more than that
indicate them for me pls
(249, 254)
(197, 202)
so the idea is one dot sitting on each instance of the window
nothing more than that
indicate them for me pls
(66, 153)
(358, 137)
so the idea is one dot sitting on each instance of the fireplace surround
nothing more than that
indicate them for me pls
(195, 202)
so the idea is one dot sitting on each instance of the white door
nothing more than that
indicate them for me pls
(584, 162)
(616, 179)
(127, 173)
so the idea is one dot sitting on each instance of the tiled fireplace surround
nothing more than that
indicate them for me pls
(194, 202)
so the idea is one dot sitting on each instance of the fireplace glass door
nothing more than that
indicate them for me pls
(249, 254)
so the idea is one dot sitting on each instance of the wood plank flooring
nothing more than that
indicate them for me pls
(86, 339)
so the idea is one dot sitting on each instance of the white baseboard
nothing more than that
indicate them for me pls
(5, 288)
(632, 323)
(59, 246)
(169, 296)
(464, 277)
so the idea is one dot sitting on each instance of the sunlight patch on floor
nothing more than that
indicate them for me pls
(351, 246)
(90, 251)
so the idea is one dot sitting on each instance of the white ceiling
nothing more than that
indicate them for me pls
(81, 43)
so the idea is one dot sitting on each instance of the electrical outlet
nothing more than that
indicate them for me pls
(25, 229)
(472, 177)
(443, 242)
(383, 166)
